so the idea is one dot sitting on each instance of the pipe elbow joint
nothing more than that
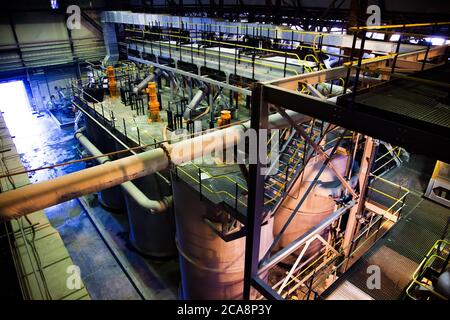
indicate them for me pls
(163, 205)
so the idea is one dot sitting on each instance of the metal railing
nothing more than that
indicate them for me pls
(201, 186)
(361, 32)
(399, 202)
(207, 52)
(312, 272)
(420, 279)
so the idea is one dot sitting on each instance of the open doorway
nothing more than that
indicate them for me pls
(15, 106)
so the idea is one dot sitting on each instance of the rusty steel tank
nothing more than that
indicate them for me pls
(317, 206)
(211, 268)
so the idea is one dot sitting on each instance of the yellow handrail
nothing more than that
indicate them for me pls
(382, 193)
(422, 266)
(262, 28)
(393, 26)
(349, 64)
(209, 189)
(388, 182)
(220, 177)
(227, 177)
(209, 52)
(390, 160)
(271, 137)
(220, 42)
(387, 153)
(288, 175)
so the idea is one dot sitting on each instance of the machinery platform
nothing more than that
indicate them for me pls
(398, 252)
(420, 105)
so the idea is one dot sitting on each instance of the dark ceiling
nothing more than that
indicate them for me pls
(393, 11)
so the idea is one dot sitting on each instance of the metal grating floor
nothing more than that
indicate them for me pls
(416, 101)
(399, 252)
(413, 113)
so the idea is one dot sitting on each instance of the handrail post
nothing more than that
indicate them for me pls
(253, 65)
(358, 70)
(426, 56)
(138, 136)
(200, 183)
(236, 195)
(397, 49)
(349, 70)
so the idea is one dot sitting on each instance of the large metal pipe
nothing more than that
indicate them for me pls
(195, 102)
(34, 197)
(129, 187)
(170, 77)
(149, 78)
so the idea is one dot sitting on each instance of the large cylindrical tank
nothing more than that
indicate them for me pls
(210, 267)
(317, 206)
(111, 198)
(152, 234)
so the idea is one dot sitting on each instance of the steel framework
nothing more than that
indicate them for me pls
(417, 135)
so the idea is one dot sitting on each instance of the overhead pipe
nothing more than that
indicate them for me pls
(143, 84)
(129, 187)
(195, 102)
(170, 77)
(34, 197)
(153, 77)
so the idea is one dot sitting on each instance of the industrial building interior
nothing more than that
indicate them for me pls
(225, 150)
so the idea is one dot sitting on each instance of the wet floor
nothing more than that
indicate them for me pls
(41, 142)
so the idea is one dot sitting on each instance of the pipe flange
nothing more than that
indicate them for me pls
(166, 148)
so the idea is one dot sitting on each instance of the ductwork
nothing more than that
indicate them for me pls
(170, 77)
(34, 197)
(129, 187)
(152, 77)
(195, 102)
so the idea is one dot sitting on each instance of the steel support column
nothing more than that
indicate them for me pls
(259, 120)
(363, 180)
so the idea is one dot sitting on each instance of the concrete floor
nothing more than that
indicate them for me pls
(45, 143)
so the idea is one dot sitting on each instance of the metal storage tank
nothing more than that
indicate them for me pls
(210, 267)
(317, 206)
(152, 234)
(111, 198)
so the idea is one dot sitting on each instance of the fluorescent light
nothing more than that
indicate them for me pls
(394, 37)
(54, 4)
(436, 41)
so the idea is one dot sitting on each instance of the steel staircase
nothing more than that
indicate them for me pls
(291, 160)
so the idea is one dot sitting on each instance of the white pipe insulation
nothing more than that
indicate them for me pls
(34, 197)
(129, 187)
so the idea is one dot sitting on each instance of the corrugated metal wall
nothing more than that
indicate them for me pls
(43, 40)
